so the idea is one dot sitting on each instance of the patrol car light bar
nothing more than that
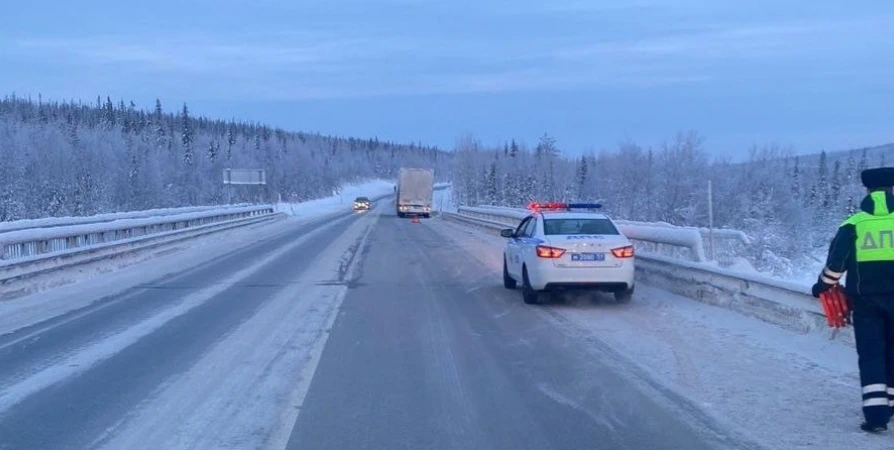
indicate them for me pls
(536, 206)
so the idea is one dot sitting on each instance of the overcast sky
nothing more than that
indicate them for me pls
(812, 74)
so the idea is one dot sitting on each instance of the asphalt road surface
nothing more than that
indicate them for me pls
(362, 332)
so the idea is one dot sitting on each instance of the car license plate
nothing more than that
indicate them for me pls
(588, 256)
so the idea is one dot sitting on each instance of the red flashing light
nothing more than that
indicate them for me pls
(536, 206)
(623, 252)
(545, 251)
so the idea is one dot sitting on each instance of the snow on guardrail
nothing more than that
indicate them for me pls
(29, 243)
(48, 222)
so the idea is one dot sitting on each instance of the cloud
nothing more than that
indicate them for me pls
(736, 42)
(364, 62)
(317, 67)
(210, 54)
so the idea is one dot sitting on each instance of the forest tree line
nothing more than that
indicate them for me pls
(790, 205)
(74, 159)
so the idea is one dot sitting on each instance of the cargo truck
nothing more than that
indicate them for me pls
(414, 192)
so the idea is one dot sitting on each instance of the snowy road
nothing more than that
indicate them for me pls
(368, 331)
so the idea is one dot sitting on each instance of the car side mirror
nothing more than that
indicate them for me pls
(507, 232)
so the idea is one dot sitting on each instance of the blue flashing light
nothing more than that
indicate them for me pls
(584, 205)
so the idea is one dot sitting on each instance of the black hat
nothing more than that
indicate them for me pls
(878, 178)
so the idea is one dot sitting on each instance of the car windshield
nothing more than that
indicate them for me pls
(579, 226)
(362, 200)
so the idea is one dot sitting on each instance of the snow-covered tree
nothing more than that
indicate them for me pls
(186, 136)
(582, 178)
(835, 186)
(513, 149)
(231, 141)
(492, 186)
(822, 184)
(69, 158)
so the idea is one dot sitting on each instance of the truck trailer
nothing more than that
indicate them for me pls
(414, 192)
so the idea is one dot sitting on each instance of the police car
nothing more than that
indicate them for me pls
(567, 246)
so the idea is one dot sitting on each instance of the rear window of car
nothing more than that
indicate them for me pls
(579, 226)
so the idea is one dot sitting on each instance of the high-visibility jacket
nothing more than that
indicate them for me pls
(864, 248)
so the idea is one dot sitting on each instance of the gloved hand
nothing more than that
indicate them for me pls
(819, 288)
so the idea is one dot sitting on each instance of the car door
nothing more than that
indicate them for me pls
(527, 243)
(513, 256)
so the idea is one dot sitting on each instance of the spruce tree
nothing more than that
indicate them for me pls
(186, 136)
(582, 178)
(836, 185)
(796, 180)
(822, 184)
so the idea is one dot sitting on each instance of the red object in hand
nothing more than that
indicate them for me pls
(836, 307)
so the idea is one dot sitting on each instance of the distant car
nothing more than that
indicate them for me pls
(361, 203)
(568, 247)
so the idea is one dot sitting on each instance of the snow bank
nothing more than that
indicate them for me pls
(443, 198)
(90, 228)
(338, 201)
(509, 213)
(688, 238)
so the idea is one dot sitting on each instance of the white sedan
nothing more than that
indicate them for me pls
(557, 249)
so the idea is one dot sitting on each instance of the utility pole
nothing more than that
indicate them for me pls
(710, 221)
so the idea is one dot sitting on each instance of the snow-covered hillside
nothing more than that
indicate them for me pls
(71, 159)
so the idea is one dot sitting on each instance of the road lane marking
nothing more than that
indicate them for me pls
(279, 438)
(109, 346)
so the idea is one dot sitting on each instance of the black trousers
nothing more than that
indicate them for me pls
(874, 334)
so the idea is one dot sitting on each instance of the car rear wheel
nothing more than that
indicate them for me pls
(530, 296)
(624, 296)
(508, 282)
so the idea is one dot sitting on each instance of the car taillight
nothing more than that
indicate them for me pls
(623, 252)
(544, 251)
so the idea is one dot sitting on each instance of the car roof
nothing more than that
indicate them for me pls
(573, 215)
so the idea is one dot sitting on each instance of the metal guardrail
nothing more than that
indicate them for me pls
(33, 273)
(719, 233)
(26, 253)
(729, 244)
(52, 222)
(684, 242)
(774, 301)
(34, 244)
